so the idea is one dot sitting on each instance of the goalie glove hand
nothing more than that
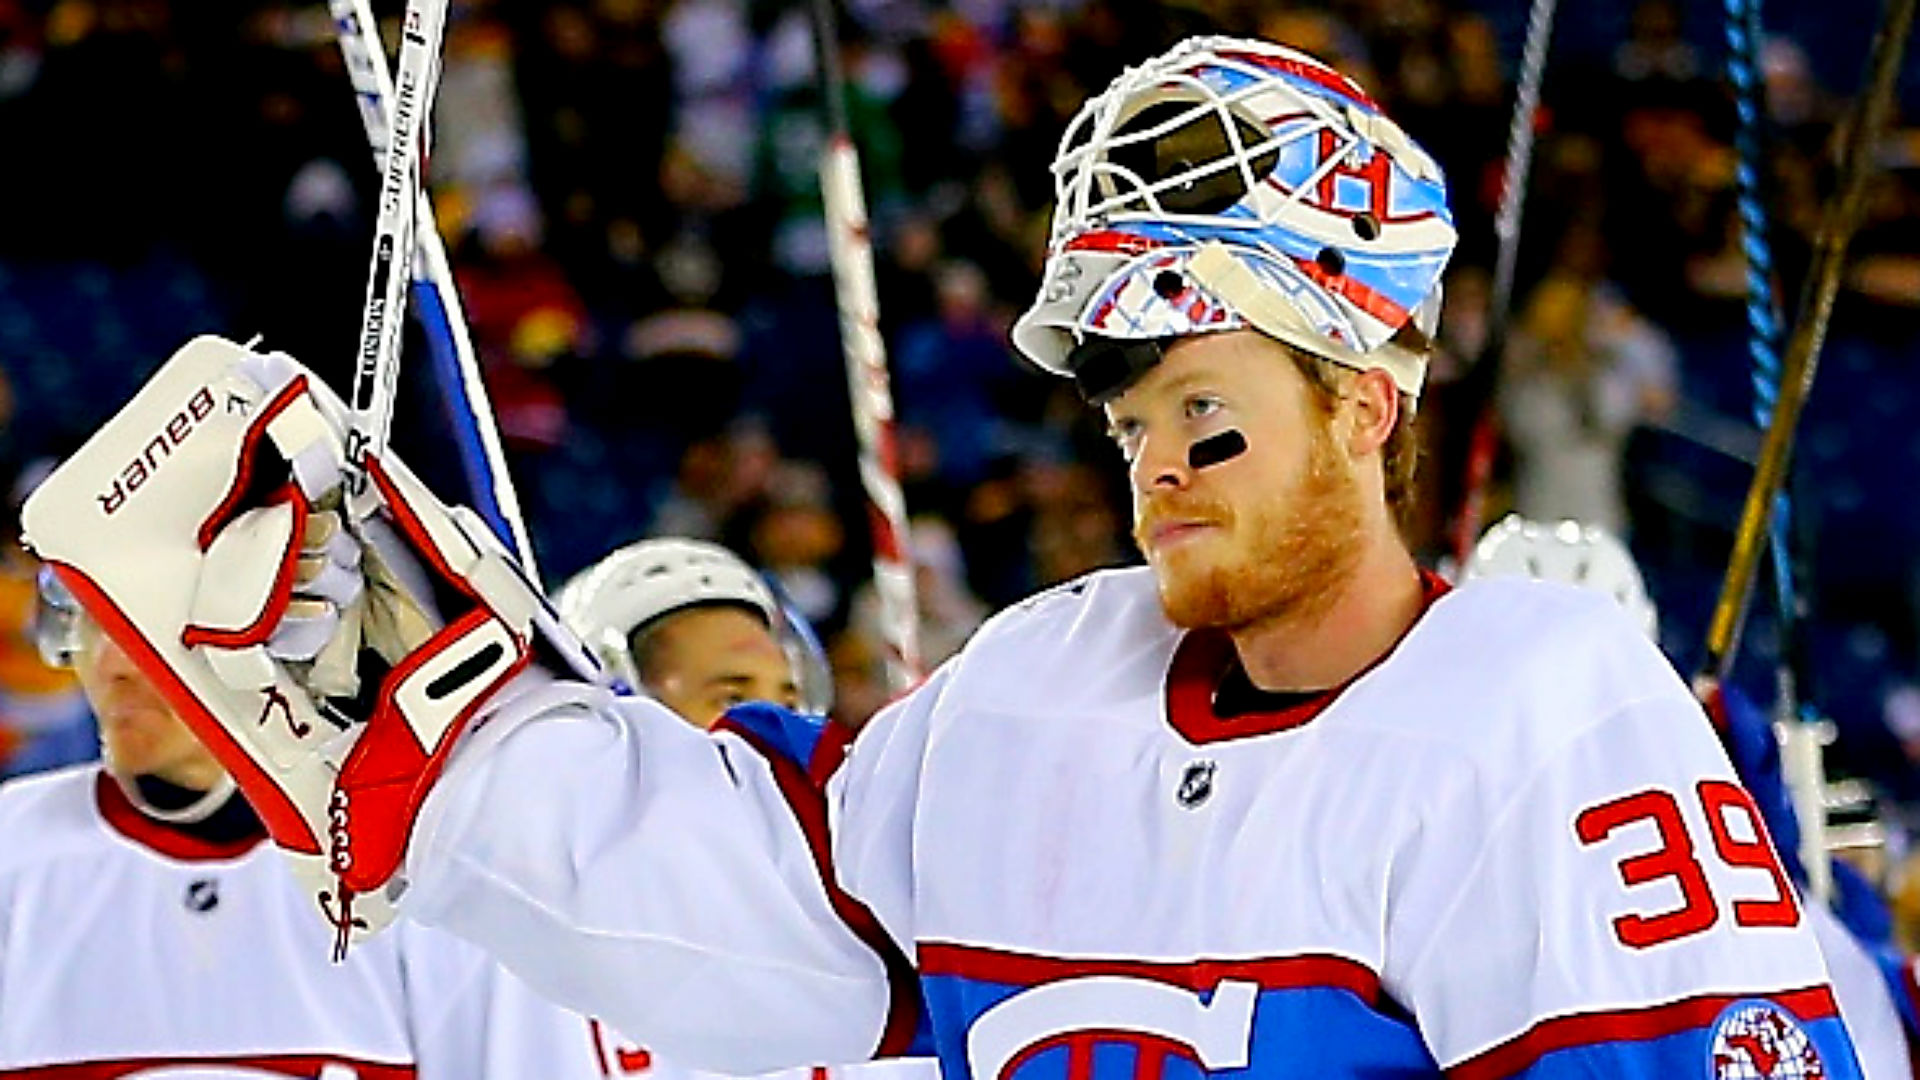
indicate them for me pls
(330, 664)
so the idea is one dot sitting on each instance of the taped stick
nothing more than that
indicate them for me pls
(437, 303)
(1803, 348)
(1801, 733)
(867, 382)
(383, 320)
(1483, 440)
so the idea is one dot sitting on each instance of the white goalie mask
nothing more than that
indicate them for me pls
(1569, 553)
(645, 581)
(1233, 183)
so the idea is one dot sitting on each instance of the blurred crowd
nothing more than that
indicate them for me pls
(629, 191)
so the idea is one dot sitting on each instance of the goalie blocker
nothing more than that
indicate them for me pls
(331, 679)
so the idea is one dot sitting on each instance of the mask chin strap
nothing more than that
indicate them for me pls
(198, 810)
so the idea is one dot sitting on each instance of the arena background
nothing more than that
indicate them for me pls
(628, 188)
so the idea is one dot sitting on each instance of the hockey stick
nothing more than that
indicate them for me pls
(867, 381)
(437, 304)
(382, 321)
(1803, 348)
(1800, 732)
(1483, 439)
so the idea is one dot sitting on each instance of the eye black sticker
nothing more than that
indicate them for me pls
(1214, 449)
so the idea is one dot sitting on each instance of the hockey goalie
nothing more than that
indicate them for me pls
(1276, 804)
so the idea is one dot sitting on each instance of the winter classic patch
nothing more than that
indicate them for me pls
(1758, 1040)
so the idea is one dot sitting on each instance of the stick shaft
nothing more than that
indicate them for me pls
(1483, 441)
(867, 382)
(383, 319)
(437, 302)
(1803, 348)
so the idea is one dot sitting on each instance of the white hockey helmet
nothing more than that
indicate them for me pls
(1567, 552)
(1232, 183)
(644, 581)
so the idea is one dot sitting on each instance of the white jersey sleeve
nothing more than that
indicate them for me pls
(1865, 996)
(469, 1017)
(1613, 902)
(669, 880)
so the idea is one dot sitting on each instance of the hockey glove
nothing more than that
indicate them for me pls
(330, 665)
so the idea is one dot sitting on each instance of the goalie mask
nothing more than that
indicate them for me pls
(1233, 183)
(610, 602)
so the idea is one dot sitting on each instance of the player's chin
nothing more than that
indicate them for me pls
(1193, 596)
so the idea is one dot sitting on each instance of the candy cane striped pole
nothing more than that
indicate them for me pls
(1483, 441)
(867, 381)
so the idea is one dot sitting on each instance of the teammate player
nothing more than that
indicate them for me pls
(145, 928)
(1275, 804)
(690, 624)
(1869, 974)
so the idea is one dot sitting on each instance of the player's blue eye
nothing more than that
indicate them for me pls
(1202, 405)
(1126, 434)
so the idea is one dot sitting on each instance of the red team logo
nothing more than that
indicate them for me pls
(1757, 1040)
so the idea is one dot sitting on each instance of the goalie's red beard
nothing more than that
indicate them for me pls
(1269, 557)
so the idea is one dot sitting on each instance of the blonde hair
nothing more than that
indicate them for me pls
(1399, 455)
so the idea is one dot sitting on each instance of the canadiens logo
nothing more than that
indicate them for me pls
(1033, 1034)
(1758, 1040)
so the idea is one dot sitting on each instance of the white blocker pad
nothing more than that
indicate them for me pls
(178, 527)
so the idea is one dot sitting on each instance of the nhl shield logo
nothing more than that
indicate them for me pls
(1196, 784)
(203, 895)
(1758, 1040)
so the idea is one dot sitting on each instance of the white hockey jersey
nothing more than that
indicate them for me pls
(1513, 847)
(130, 949)
(1865, 998)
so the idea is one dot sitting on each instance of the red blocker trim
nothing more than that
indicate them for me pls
(261, 628)
(127, 820)
(1316, 970)
(1518, 1054)
(410, 524)
(809, 806)
(283, 821)
(388, 772)
(229, 504)
(305, 1065)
